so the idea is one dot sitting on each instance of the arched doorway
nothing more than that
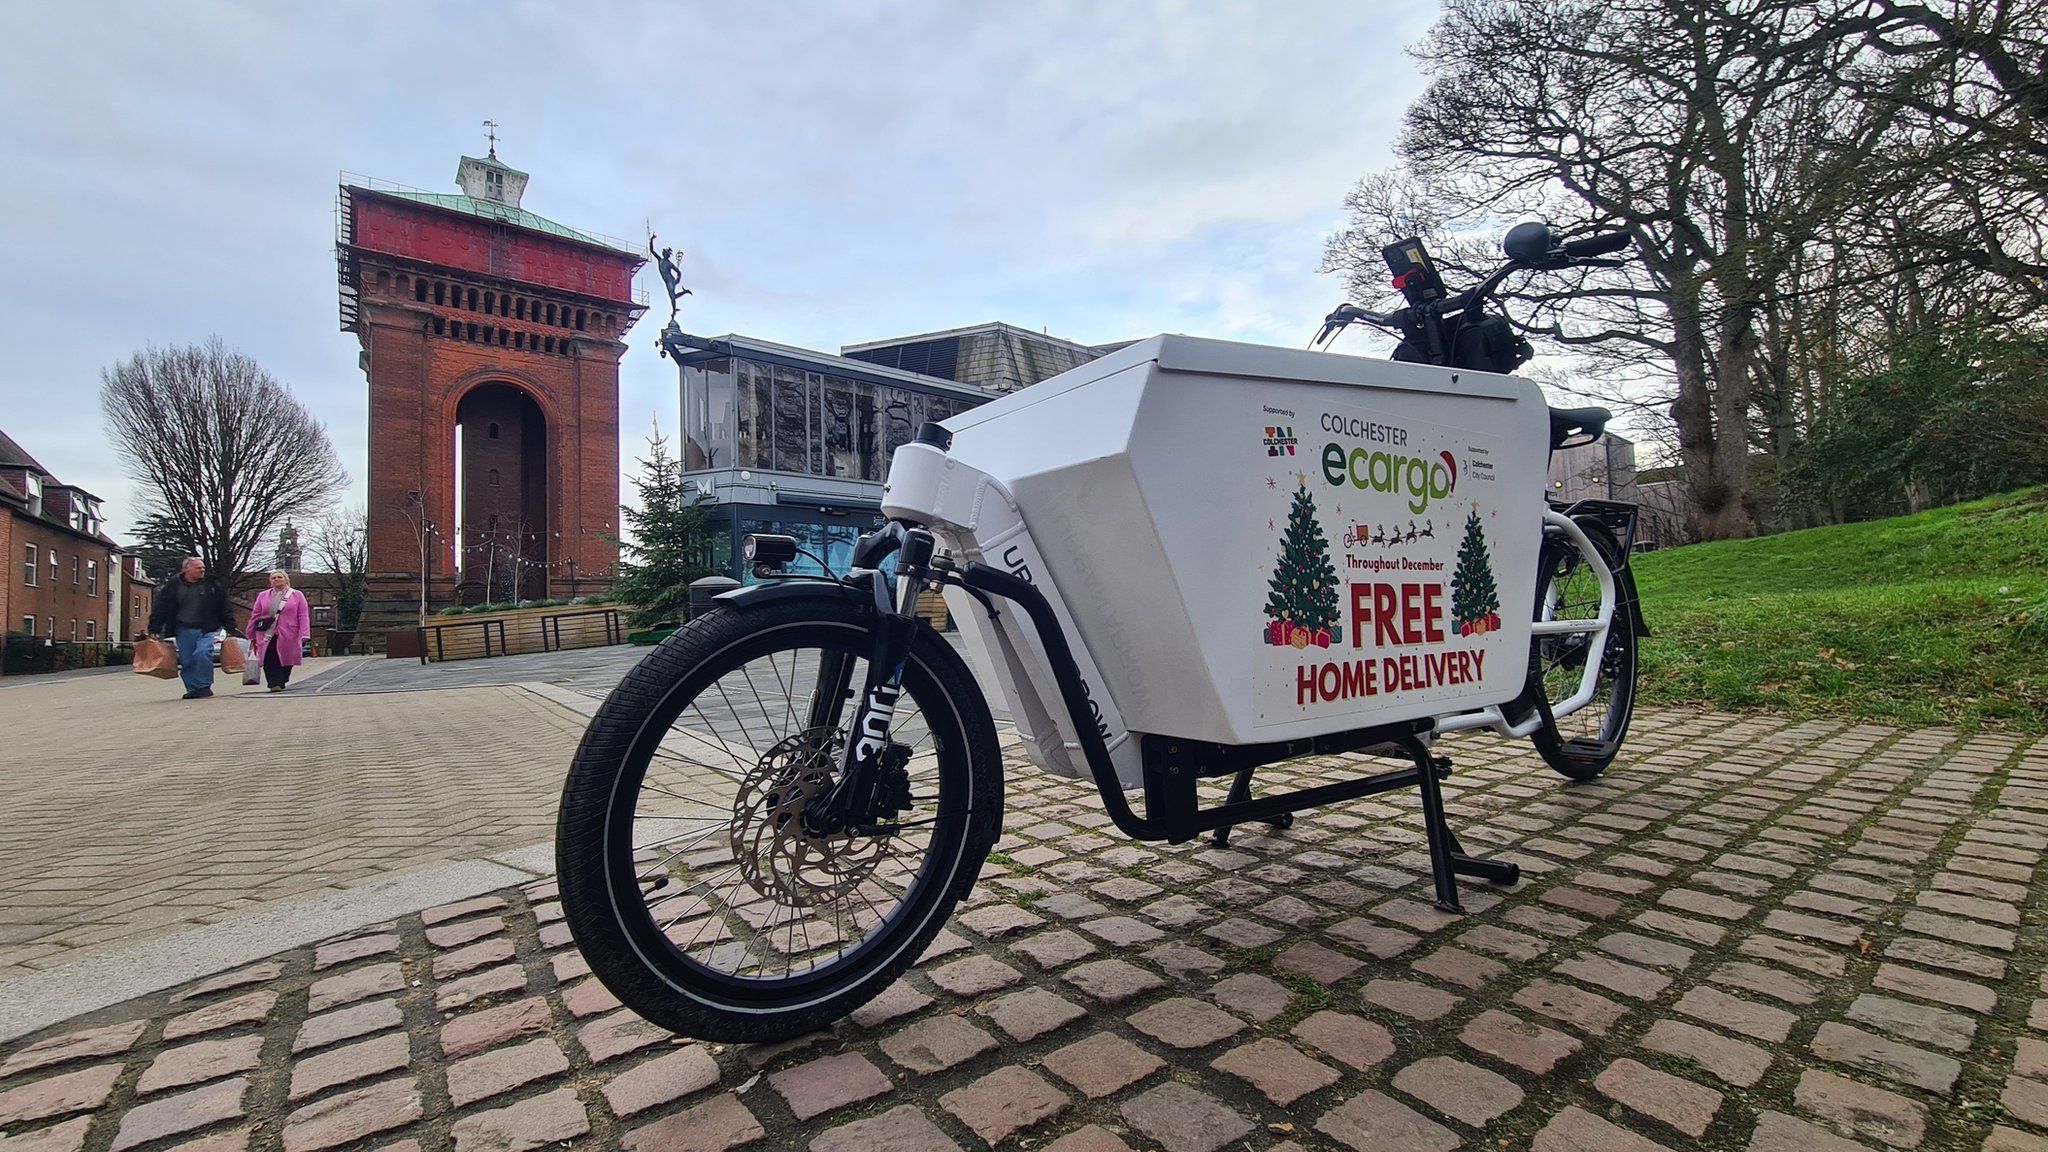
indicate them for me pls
(501, 461)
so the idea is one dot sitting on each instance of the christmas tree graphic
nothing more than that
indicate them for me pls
(1301, 609)
(1475, 603)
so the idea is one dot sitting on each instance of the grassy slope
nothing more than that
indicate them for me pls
(1940, 617)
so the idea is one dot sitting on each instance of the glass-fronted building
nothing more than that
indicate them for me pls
(797, 442)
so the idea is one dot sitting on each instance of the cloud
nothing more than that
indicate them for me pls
(835, 173)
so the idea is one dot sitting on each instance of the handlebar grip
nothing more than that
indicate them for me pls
(1599, 245)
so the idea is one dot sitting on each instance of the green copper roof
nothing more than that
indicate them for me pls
(504, 214)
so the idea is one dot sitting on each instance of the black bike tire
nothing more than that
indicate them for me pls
(612, 939)
(1557, 751)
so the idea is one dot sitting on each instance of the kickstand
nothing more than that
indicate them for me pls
(1447, 858)
(1240, 792)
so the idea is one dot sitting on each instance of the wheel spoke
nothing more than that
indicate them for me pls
(745, 889)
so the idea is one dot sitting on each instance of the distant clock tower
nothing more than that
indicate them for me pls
(491, 340)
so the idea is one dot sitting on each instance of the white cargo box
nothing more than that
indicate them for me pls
(1257, 543)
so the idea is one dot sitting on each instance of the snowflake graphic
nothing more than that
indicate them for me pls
(1271, 483)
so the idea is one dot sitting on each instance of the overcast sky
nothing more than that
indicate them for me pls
(835, 173)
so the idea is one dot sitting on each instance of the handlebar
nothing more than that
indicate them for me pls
(1347, 314)
(1599, 245)
(1529, 247)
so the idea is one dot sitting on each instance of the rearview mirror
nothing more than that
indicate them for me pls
(1528, 243)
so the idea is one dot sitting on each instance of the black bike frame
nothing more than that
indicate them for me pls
(1172, 767)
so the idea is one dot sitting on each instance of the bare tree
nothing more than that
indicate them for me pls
(1700, 129)
(1816, 189)
(222, 449)
(341, 542)
(429, 540)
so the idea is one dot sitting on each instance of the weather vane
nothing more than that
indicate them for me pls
(492, 135)
(671, 275)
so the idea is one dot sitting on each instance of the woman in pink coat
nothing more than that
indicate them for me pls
(278, 626)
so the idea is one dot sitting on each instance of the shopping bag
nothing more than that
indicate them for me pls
(251, 667)
(158, 658)
(231, 654)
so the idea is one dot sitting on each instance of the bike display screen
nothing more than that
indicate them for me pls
(1414, 272)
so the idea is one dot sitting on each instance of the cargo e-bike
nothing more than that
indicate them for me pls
(1186, 560)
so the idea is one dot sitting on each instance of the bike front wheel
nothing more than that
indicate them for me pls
(689, 879)
(1582, 743)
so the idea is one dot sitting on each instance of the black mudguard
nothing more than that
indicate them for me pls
(772, 591)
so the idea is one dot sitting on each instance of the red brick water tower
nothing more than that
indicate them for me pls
(491, 339)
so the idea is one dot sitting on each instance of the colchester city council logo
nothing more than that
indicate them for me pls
(1279, 441)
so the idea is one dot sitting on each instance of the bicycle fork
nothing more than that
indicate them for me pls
(873, 784)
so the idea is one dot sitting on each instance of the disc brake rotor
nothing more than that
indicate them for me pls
(776, 854)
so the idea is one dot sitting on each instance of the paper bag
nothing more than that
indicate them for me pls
(158, 658)
(230, 654)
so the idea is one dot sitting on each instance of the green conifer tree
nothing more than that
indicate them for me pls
(1304, 584)
(670, 541)
(1473, 595)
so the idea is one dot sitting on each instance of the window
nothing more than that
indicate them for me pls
(35, 495)
(53, 577)
(832, 543)
(74, 629)
(135, 604)
(90, 632)
(708, 411)
(28, 625)
(28, 571)
(74, 569)
(492, 432)
(494, 185)
(92, 577)
(838, 427)
(494, 477)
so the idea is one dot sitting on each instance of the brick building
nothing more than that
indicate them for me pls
(138, 593)
(491, 340)
(63, 580)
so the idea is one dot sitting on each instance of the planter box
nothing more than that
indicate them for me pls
(472, 635)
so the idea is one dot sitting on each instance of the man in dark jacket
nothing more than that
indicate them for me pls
(190, 609)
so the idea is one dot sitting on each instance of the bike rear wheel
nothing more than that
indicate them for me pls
(689, 880)
(1583, 743)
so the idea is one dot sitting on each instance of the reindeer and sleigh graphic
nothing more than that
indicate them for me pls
(1363, 534)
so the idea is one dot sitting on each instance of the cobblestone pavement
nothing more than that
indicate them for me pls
(129, 812)
(1754, 934)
